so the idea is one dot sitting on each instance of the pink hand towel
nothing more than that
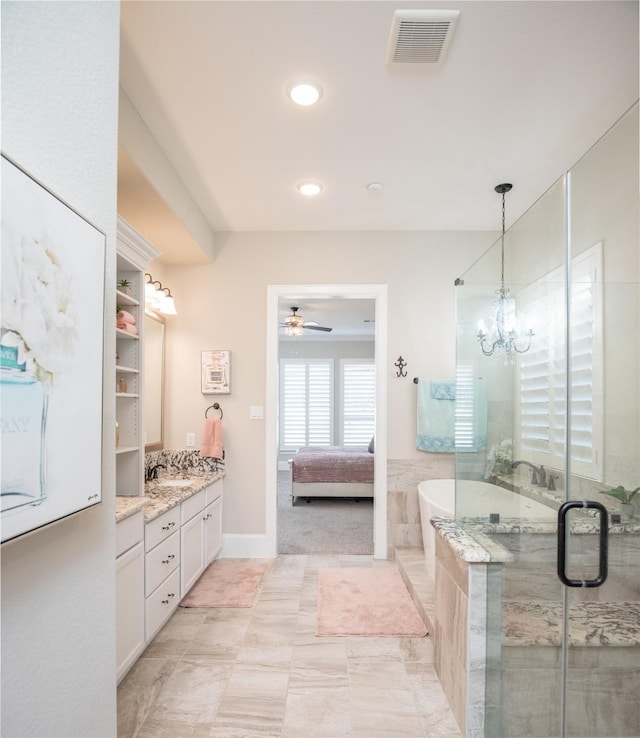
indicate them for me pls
(212, 439)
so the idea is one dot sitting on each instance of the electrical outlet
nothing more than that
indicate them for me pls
(191, 439)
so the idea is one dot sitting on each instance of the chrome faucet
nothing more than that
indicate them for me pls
(152, 473)
(538, 474)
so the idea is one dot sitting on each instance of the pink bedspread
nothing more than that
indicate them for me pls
(332, 464)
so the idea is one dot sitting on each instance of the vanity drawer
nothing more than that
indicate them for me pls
(213, 491)
(160, 562)
(160, 528)
(129, 532)
(192, 506)
(160, 604)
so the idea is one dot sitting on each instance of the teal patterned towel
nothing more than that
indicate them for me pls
(436, 417)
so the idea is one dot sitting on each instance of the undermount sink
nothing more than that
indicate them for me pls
(176, 483)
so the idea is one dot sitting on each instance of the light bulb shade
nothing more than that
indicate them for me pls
(168, 307)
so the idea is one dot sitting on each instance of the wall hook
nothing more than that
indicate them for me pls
(401, 363)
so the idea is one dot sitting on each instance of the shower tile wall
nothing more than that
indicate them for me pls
(403, 514)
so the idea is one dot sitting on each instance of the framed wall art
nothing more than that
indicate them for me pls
(51, 351)
(216, 372)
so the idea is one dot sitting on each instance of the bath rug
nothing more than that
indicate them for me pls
(226, 583)
(365, 602)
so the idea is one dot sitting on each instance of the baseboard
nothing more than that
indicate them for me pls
(251, 546)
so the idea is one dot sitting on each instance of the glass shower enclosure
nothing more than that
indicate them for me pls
(555, 650)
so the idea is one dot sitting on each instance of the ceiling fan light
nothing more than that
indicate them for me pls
(304, 93)
(310, 189)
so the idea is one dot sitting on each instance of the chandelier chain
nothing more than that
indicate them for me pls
(502, 243)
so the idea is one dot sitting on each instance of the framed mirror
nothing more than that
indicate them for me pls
(153, 381)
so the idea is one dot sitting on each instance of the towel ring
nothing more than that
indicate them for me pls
(215, 406)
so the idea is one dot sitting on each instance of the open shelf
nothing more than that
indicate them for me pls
(125, 334)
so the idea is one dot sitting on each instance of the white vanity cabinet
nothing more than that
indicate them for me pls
(213, 521)
(192, 540)
(201, 533)
(130, 635)
(161, 570)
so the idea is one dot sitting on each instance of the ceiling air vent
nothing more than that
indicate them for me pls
(420, 36)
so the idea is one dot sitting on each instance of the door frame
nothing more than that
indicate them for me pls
(378, 293)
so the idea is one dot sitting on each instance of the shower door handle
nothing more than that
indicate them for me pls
(603, 543)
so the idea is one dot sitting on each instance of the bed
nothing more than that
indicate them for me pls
(332, 471)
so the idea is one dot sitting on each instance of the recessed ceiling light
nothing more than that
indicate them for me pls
(375, 187)
(304, 93)
(309, 188)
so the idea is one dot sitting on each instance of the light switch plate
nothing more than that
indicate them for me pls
(256, 412)
(191, 439)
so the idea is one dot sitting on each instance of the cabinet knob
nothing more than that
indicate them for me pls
(165, 602)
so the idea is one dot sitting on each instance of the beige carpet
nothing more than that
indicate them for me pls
(365, 602)
(227, 583)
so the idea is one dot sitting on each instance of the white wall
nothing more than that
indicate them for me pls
(223, 306)
(59, 122)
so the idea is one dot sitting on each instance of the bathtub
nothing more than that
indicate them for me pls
(436, 498)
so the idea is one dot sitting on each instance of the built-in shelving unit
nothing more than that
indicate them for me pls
(133, 255)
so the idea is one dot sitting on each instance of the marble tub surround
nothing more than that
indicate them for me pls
(581, 488)
(403, 512)
(497, 598)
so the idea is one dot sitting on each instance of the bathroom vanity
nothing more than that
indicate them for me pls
(164, 541)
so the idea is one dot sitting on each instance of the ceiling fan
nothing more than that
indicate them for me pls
(295, 324)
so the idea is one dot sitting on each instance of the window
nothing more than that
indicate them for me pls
(306, 410)
(313, 403)
(358, 417)
(541, 407)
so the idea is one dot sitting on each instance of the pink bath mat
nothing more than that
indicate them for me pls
(227, 583)
(366, 602)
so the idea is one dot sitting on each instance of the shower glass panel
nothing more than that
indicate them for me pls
(544, 659)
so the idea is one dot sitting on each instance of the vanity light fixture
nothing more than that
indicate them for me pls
(304, 93)
(503, 331)
(310, 189)
(157, 297)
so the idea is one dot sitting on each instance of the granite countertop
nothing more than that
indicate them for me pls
(159, 498)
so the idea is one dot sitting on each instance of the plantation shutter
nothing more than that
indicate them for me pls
(358, 402)
(542, 370)
(464, 411)
(306, 403)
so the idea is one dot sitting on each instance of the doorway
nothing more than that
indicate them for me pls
(275, 295)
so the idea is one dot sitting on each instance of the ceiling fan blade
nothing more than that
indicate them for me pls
(316, 328)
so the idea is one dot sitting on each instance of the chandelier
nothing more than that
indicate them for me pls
(503, 332)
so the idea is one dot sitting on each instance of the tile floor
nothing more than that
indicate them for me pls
(261, 672)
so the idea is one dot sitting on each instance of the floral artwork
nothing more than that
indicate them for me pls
(51, 333)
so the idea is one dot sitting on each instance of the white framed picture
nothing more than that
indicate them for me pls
(216, 372)
(51, 357)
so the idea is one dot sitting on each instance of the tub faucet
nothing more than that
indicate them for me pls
(538, 474)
